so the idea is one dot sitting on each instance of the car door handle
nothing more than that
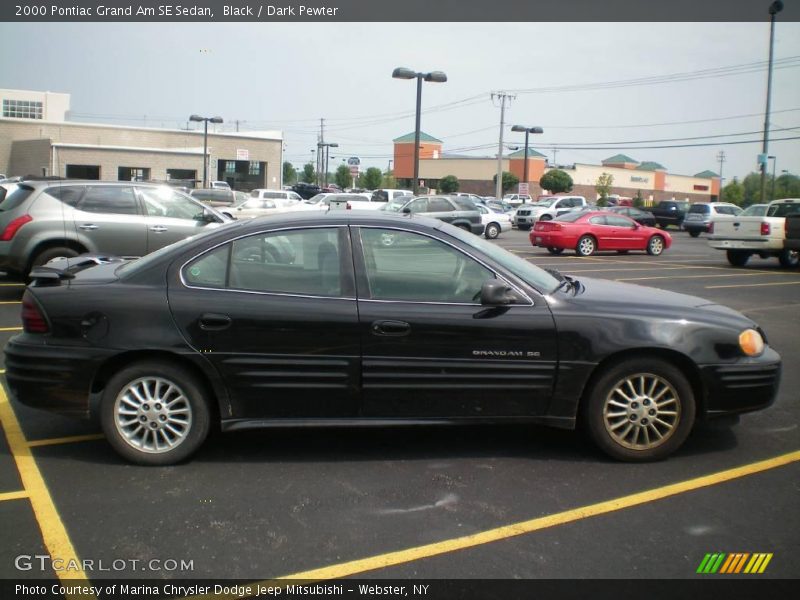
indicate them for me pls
(87, 226)
(392, 328)
(158, 228)
(214, 322)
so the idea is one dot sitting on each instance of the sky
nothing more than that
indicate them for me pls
(287, 76)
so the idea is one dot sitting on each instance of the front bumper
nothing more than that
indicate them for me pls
(741, 387)
(57, 379)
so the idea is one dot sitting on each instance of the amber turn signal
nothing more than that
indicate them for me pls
(751, 342)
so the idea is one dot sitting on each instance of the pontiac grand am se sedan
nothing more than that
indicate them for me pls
(309, 318)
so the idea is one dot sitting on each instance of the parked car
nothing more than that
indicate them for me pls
(219, 185)
(642, 217)
(701, 214)
(670, 212)
(345, 201)
(590, 232)
(517, 199)
(456, 211)
(258, 207)
(494, 221)
(276, 194)
(218, 197)
(43, 220)
(755, 210)
(546, 209)
(306, 190)
(791, 228)
(443, 327)
(474, 198)
(389, 195)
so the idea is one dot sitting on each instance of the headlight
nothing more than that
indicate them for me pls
(751, 342)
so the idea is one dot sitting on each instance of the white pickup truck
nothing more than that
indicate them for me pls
(742, 237)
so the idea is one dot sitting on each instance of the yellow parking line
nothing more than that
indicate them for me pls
(54, 534)
(89, 437)
(13, 495)
(12, 285)
(10, 328)
(2, 371)
(716, 287)
(11, 302)
(399, 557)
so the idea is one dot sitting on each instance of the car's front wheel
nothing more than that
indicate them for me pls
(640, 410)
(655, 246)
(738, 258)
(586, 246)
(789, 258)
(154, 413)
(694, 232)
(492, 231)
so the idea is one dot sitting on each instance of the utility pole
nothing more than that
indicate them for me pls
(320, 149)
(555, 151)
(721, 159)
(502, 96)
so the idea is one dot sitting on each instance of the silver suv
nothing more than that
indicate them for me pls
(701, 214)
(43, 220)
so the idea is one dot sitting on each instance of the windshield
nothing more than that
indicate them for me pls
(545, 203)
(395, 205)
(534, 276)
(756, 210)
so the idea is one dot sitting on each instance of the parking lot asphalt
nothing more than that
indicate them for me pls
(491, 502)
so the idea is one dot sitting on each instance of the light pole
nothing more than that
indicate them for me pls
(433, 76)
(774, 9)
(325, 149)
(772, 192)
(206, 121)
(527, 130)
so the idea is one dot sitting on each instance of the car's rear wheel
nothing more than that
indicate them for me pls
(738, 258)
(554, 250)
(52, 253)
(640, 410)
(789, 258)
(492, 231)
(586, 246)
(154, 413)
(655, 246)
(694, 232)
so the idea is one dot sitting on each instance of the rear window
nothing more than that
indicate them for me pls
(465, 203)
(380, 196)
(699, 208)
(68, 194)
(15, 196)
(570, 217)
(782, 210)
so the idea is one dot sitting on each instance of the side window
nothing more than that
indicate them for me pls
(208, 270)
(598, 220)
(304, 262)
(294, 196)
(163, 202)
(68, 194)
(118, 200)
(439, 205)
(406, 266)
(419, 205)
(618, 221)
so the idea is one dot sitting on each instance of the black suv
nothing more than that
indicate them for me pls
(306, 190)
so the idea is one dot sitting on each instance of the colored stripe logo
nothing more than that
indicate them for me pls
(734, 563)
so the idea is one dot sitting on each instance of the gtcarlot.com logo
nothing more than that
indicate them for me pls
(735, 563)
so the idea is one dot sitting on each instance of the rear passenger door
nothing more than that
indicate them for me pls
(108, 219)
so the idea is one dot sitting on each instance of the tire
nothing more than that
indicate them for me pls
(492, 231)
(655, 245)
(464, 227)
(639, 410)
(545, 218)
(554, 250)
(694, 232)
(49, 254)
(738, 258)
(186, 425)
(586, 246)
(789, 258)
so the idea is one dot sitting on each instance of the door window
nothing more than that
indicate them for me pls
(406, 266)
(118, 200)
(164, 202)
(618, 221)
(439, 205)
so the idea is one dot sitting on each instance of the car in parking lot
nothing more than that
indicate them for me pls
(43, 220)
(590, 232)
(495, 221)
(451, 209)
(308, 319)
(218, 197)
(700, 215)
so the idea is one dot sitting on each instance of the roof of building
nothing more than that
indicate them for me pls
(651, 165)
(423, 137)
(706, 174)
(531, 154)
(620, 158)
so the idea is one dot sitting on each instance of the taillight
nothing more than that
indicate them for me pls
(11, 229)
(348, 206)
(765, 229)
(33, 320)
(711, 227)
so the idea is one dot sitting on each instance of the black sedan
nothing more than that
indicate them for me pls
(642, 217)
(311, 319)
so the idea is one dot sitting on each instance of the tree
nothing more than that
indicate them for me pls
(786, 186)
(448, 184)
(389, 181)
(638, 201)
(603, 187)
(509, 181)
(556, 181)
(308, 173)
(342, 177)
(733, 192)
(752, 188)
(372, 178)
(289, 174)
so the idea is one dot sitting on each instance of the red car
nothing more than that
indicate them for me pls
(588, 232)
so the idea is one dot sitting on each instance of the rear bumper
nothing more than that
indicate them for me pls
(56, 379)
(695, 226)
(755, 244)
(742, 387)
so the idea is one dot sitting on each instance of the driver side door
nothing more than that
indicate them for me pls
(170, 216)
(430, 349)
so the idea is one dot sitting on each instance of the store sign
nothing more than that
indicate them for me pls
(523, 189)
(242, 154)
(639, 179)
(353, 161)
(354, 170)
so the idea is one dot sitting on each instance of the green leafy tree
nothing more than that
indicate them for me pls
(372, 178)
(448, 184)
(289, 174)
(752, 189)
(556, 181)
(786, 186)
(309, 175)
(389, 181)
(510, 181)
(603, 188)
(733, 192)
(342, 177)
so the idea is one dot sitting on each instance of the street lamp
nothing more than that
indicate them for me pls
(774, 9)
(325, 149)
(433, 76)
(206, 121)
(527, 130)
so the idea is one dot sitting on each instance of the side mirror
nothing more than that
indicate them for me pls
(207, 217)
(496, 293)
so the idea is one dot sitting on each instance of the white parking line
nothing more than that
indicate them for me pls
(716, 287)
